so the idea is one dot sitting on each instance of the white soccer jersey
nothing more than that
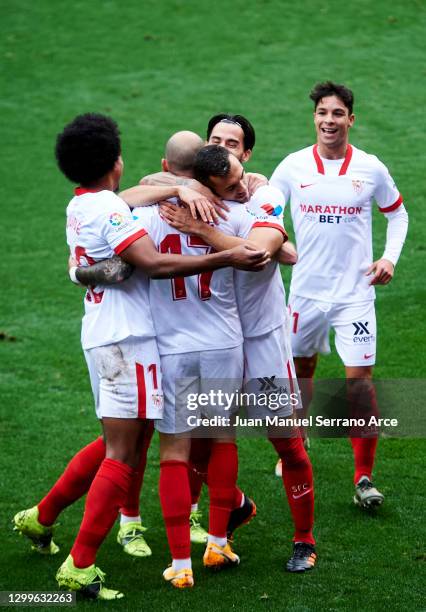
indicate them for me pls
(261, 295)
(195, 313)
(331, 207)
(100, 224)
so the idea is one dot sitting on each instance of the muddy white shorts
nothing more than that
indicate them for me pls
(189, 377)
(126, 379)
(354, 326)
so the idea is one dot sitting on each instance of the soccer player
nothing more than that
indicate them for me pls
(119, 343)
(332, 186)
(199, 337)
(261, 304)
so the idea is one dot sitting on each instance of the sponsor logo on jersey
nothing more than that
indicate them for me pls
(304, 186)
(116, 219)
(271, 210)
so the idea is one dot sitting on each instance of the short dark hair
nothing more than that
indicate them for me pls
(88, 148)
(245, 125)
(211, 160)
(328, 88)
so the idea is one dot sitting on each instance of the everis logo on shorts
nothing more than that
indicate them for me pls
(361, 332)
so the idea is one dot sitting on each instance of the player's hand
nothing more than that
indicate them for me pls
(383, 270)
(218, 203)
(254, 181)
(180, 218)
(247, 257)
(198, 204)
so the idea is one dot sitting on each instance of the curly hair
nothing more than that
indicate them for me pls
(88, 148)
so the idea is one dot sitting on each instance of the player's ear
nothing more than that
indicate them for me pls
(351, 120)
(164, 165)
(246, 156)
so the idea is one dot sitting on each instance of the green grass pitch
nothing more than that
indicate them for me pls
(158, 67)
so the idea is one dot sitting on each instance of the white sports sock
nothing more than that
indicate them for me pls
(180, 564)
(218, 541)
(194, 507)
(129, 519)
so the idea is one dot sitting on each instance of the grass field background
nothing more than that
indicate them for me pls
(157, 68)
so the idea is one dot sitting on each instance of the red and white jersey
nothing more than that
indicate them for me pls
(331, 208)
(100, 224)
(261, 295)
(195, 313)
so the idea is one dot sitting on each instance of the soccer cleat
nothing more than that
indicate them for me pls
(302, 559)
(87, 581)
(241, 516)
(27, 524)
(181, 579)
(197, 533)
(366, 494)
(130, 536)
(219, 557)
(279, 468)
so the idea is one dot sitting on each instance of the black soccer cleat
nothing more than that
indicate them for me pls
(303, 558)
(241, 516)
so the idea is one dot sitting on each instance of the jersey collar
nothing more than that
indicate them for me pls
(344, 166)
(78, 191)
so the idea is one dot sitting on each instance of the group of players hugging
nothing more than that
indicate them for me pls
(184, 295)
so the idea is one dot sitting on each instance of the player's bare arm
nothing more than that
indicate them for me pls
(143, 254)
(168, 178)
(255, 180)
(148, 194)
(105, 272)
(287, 254)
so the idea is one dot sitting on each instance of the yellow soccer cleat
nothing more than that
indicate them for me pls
(219, 557)
(26, 523)
(130, 537)
(87, 581)
(180, 579)
(198, 534)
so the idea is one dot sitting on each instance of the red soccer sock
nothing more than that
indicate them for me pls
(238, 498)
(74, 482)
(198, 466)
(106, 495)
(175, 498)
(221, 479)
(364, 454)
(131, 507)
(299, 485)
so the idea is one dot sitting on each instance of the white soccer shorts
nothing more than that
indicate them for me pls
(269, 370)
(126, 379)
(195, 373)
(354, 326)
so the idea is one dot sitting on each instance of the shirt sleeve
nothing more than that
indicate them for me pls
(281, 179)
(386, 193)
(395, 233)
(267, 204)
(119, 229)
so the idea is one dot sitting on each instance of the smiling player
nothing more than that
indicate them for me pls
(332, 186)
